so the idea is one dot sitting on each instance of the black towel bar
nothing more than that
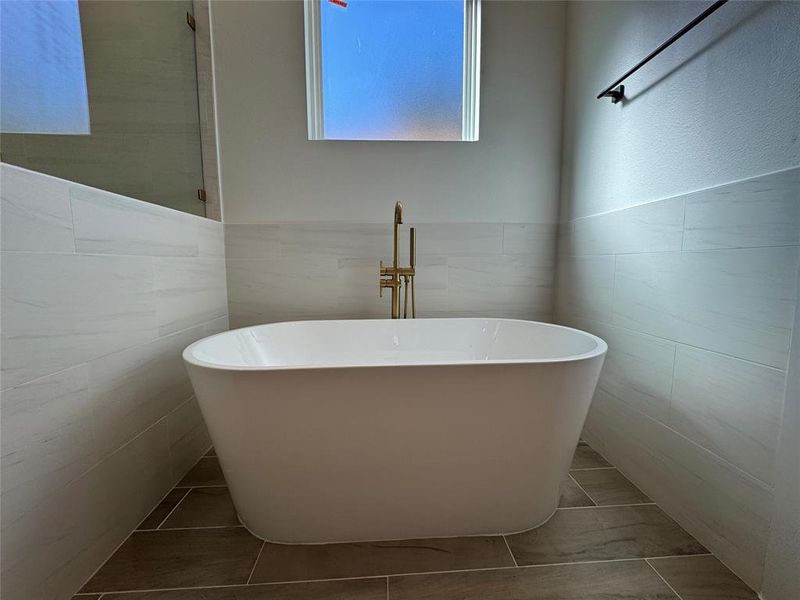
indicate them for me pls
(618, 93)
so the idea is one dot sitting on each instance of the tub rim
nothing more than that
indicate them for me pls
(600, 349)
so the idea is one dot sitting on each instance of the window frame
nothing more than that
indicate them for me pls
(470, 87)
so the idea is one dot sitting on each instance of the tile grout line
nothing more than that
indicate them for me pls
(127, 537)
(607, 505)
(678, 342)
(387, 587)
(649, 564)
(201, 527)
(584, 491)
(751, 478)
(255, 564)
(408, 574)
(174, 508)
(593, 468)
(513, 558)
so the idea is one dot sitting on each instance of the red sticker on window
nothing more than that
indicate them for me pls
(341, 3)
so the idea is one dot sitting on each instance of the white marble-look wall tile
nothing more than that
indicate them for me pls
(210, 239)
(337, 239)
(638, 367)
(134, 388)
(356, 289)
(737, 302)
(50, 548)
(532, 239)
(729, 406)
(189, 291)
(216, 326)
(721, 505)
(457, 239)
(653, 227)
(47, 438)
(88, 447)
(585, 287)
(188, 437)
(35, 213)
(282, 289)
(472, 274)
(60, 310)
(700, 440)
(139, 474)
(763, 211)
(252, 241)
(106, 223)
(498, 282)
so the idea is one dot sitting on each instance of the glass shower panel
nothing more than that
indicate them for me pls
(144, 130)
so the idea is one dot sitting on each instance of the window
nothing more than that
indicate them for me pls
(42, 76)
(392, 69)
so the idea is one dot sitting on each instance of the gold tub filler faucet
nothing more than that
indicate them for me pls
(396, 277)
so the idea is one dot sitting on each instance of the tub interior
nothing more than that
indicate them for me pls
(387, 342)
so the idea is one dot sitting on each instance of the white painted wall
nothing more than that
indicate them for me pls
(718, 106)
(272, 173)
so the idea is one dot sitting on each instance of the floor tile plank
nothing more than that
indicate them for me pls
(586, 458)
(572, 495)
(609, 486)
(628, 580)
(702, 578)
(352, 589)
(330, 561)
(204, 507)
(178, 558)
(603, 533)
(160, 512)
(206, 472)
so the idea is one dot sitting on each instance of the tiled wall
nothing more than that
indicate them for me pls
(330, 270)
(695, 296)
(100, 293)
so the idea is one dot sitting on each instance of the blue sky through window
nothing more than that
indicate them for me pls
(42, 74)
(392, 69)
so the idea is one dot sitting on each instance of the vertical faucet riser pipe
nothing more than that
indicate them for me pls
(398, 220)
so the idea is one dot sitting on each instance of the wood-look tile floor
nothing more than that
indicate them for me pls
(606, 540)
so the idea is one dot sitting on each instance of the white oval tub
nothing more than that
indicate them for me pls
(333, 431)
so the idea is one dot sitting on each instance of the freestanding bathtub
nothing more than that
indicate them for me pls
(335, 431)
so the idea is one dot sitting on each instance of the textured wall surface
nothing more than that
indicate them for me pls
(718, 106)
(695, 296)
(271, 173)
(100, 294)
